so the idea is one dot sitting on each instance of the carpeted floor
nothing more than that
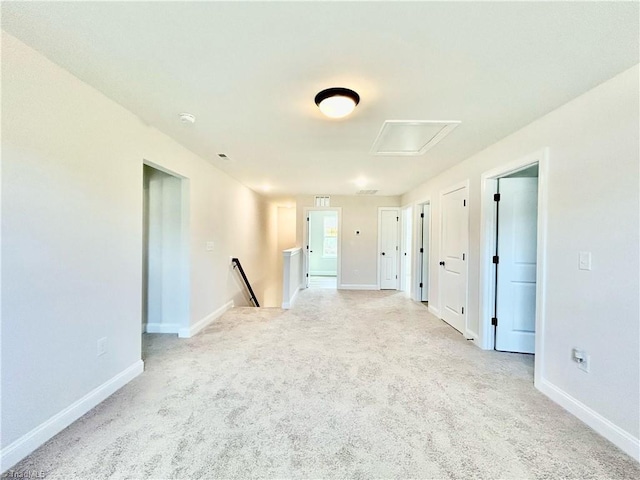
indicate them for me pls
(345, 385)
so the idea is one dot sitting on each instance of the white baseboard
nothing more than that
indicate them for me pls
(323, 273)
(619, 437)
(162, 328)
(26, 444)
(434, 311)
(358, 286)
(202, 324)
(287, 305)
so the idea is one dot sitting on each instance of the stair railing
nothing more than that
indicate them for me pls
(236, 264)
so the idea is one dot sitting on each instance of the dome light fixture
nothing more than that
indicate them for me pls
(337, 102)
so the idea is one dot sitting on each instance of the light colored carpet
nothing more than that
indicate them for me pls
(322, 282)
(345, 385)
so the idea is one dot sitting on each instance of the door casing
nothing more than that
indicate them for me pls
(487, 248)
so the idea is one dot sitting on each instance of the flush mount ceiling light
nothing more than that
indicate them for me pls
(337, 102)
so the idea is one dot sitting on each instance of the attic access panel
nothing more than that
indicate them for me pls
(411, 137)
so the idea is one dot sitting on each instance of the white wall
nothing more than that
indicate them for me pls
(359, 254)
(593, 197)
(72, 210)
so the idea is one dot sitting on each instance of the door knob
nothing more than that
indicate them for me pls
(442, 263)
(382, 253)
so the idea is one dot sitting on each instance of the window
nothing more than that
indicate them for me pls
(330, 237)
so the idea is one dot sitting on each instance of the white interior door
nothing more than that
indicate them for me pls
(516, 270)
(453, 269)
(388, 235)
(424, 253)
(407, 234)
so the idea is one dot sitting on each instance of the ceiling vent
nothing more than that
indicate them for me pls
(366, 192)
(411, 137)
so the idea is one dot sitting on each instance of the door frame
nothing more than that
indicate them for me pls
(469, 335)
(184, 322)
(305, 244)
(380, 210)
(416, 273)
(488, 187)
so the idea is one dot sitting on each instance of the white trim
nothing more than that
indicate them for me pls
(434, 311)
(202, 324)
(323, 273)
(541, 268)
(357, 286)
(26, 444)
(619, 437)
(162, 328)
(397, 210)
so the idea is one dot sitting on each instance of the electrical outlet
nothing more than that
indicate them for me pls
(102, 346)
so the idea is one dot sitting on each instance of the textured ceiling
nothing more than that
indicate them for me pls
(249, 73)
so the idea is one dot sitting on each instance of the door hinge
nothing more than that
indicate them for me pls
(496, 197)
(422, 250)
(397, 219)
(420, 284)
(396, 277)
(422, 215)
(463, 256)
(307, 275)
(464, 203)
(496, 259)
(307, 247)
(494, 321)
(462, 310)
(396, 248)
(307, 219)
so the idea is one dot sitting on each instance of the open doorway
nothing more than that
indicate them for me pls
(513, 250)
(424, 238)
(165, 272)
(322, 248)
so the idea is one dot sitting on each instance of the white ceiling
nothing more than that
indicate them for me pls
(249, 73)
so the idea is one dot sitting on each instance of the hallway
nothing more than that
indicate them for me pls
(346, 384)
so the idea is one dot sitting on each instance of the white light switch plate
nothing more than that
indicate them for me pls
(210, 246)
(584, 260)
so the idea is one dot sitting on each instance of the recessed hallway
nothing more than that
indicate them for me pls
(347, 384)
